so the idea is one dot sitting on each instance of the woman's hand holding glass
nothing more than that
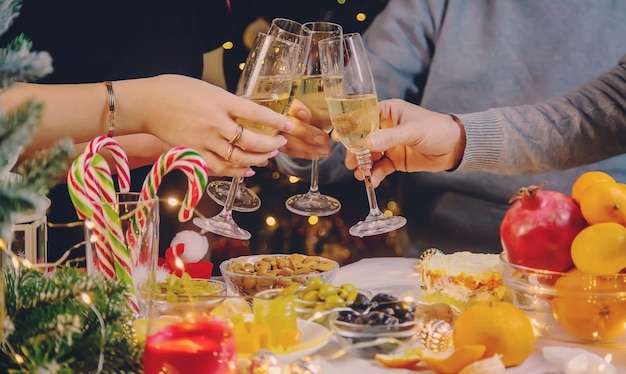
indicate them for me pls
(266, 80)
(204, 128)
(245, 199)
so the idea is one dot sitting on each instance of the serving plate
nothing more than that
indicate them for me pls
(314, 337)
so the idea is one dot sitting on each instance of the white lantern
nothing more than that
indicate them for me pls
(30, 236)
(30, 228)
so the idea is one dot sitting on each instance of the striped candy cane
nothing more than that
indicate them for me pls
(121, 160)
(100, 173)
(83, 190)
(194, 167)
(88, 208)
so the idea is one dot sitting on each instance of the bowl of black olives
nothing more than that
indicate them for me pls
(380, 324)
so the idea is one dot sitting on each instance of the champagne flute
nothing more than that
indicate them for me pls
(353, 107)
(266, 79)
(292, 30)
(311, 93)
(245, 199)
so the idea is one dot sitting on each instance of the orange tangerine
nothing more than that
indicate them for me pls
(600, 248)
(587, 179)
(604, 202)
(588, 306)
(453, 363)
(502, 327)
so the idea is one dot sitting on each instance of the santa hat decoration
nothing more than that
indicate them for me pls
(185, 253)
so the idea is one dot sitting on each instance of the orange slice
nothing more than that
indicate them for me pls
(451, 363)
(406, 360)
(491, 365)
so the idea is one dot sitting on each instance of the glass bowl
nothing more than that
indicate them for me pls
(306, 309)
(571, 307)
(204, 290)
(247, 275)
(365, 341)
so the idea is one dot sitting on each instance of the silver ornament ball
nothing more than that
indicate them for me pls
(264, 362)
(436, 335)
(305, 365)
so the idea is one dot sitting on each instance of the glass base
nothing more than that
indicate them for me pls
(222, 225)
(309, 204)
(245, 199)
(374, 225)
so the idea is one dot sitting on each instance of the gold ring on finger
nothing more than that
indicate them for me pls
(237, 135)
(229, 153)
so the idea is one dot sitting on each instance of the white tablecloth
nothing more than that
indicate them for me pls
(396, 275)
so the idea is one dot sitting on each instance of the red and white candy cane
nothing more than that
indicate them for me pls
(182, 158)
(122, 257)
(98, 171)
(88, 208)
(83, 189)
(192, 164)
(121, 161)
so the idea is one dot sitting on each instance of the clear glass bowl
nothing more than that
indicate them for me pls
(368, 340)
(242, 283)
(570, 307)
(306, 309)
(216, 290)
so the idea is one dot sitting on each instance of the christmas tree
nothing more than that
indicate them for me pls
(67, 321)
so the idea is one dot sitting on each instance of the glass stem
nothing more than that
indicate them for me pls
(315, 167)
(227, 212)
(240, 187)
(365, 164)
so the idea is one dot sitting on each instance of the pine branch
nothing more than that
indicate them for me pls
(8, 12)
(41, 171)
(16, 129)
(22, 65)
(55, 328)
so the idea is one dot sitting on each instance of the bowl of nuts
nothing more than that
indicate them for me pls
(247, 275)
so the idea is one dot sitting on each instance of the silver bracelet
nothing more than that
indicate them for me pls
(111, 100)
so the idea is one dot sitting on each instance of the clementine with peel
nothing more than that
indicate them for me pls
(604, 202)
(500, 326)
(587, 179)
(589, 306)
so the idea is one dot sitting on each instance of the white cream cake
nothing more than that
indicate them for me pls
(462, 278)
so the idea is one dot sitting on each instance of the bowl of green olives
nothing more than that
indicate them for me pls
(316, 299)
(174, 289)
(379, 325)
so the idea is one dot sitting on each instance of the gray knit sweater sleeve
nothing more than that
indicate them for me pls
(585, 126)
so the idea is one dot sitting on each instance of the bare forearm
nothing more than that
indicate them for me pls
(77, 111)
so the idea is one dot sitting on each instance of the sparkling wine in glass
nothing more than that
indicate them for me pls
(353, 107)
(311, 93)
(267, 80)
(247, 200)
(291, 30)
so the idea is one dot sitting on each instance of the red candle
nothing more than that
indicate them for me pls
(202, 345)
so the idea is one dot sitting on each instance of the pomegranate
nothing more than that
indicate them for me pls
(538, 229)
